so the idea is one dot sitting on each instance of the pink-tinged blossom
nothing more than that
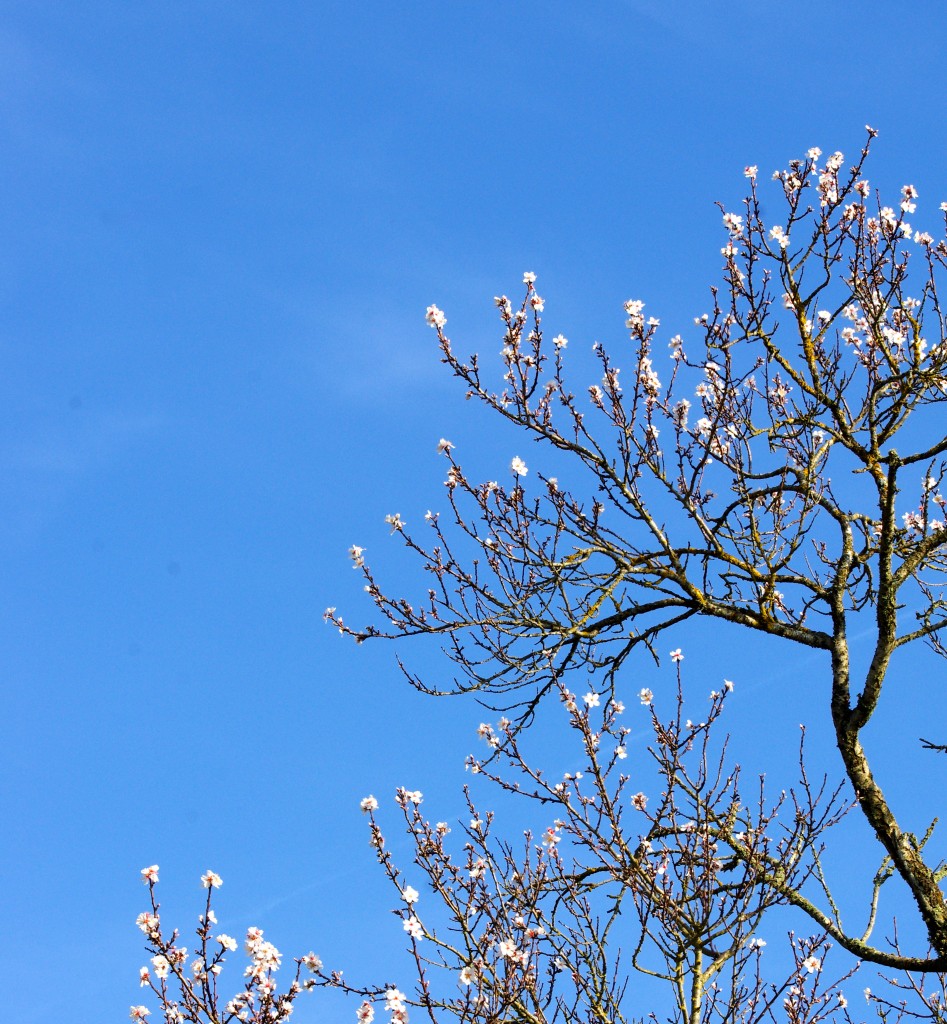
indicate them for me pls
(728, 685)
(444, 446)
(733, 222)
(507, 949)
(485, 731)
(913, 521)
(409, 894)
(435, 317)
(551, 837)
(227, 942)
(812, 964)
(368, 803)
(828, 185)
(537, 303)
(139, 1012)
(647, 377)
(147, 922)
(518, 466)
(394, 1000)
(144, 977)
(751, 171)
(639, 801)
(560, 341)
(646, 696)
(356, 553)
(365, 1014)
(210, 879)
(888, 218)
(161, 965)
(779, 236)
(266, 957)
(676, 655)
(150, 875)
(413, 927)
(395, 522)
(679, 413)
(312, 962)
(468, 975)
(618, 707)
(529, 277)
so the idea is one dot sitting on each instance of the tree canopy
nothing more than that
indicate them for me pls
(781, 472)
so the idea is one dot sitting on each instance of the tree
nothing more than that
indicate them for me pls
(758, 485)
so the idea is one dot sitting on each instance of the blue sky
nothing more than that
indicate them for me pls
(222, 223)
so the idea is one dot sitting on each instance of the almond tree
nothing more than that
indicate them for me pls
(557, 927)
(617, 886)
(757, 484)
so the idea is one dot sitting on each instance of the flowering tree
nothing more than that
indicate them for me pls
(553, 928)
(186, 984)
(756, 484)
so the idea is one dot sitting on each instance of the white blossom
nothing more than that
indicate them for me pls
(435, 317)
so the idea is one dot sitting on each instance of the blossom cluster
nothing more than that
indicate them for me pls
(722, 483)
(185, 981)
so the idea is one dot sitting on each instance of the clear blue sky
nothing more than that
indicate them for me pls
(222, 222)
